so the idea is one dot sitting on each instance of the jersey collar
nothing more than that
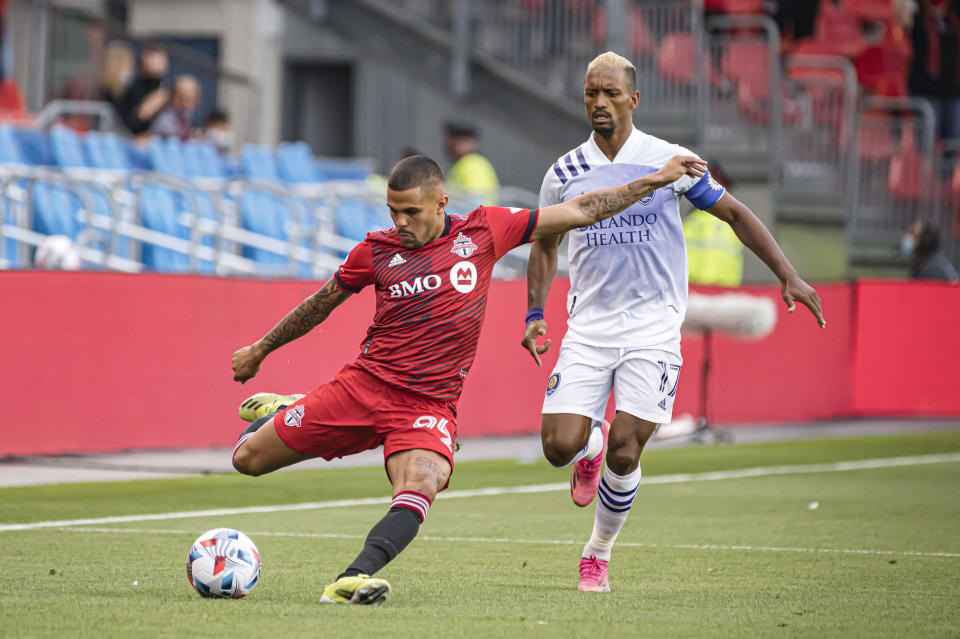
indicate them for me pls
(596, 157)
(446, 225)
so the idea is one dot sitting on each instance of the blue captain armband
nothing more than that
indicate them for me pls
(705, 193)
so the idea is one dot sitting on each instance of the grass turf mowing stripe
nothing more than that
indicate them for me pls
(762, 471)
(550, 542)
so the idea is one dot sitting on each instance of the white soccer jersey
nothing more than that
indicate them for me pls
(628, 273)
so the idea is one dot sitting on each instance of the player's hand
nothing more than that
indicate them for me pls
(680, 165)
(533, 331)
(794, 290)
(246, 363)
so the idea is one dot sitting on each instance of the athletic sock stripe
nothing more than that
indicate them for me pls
(413, 499)
(612, 509)
(240, 443)
(410, 493)
(603, 482)
(614, 502)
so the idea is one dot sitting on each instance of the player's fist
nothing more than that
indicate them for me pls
(246, 363)
(680, 165)
(531, 333)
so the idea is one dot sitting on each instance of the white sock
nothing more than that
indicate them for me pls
(614, 499)
(594, 445)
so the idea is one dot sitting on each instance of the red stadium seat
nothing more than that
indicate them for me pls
(641, 39)
(876, 138)
(737, 7)
(838, 32)
(869, 9)
(911, 177)
(676, 60)
(882, 70)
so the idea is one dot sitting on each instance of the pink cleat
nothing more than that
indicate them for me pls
(593, 575)
(585, 478)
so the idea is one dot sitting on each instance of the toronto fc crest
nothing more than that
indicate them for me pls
(463, 246)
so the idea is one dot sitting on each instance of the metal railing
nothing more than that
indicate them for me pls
(896, 183)
(742, 111)
(818, 154)
(114, 239)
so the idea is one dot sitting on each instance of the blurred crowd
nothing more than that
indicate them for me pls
(149, 101)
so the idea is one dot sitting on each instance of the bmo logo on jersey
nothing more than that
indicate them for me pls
(418, 285)
(463, 277)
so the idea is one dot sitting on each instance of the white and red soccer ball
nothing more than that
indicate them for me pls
(223, 563)
(57, 253)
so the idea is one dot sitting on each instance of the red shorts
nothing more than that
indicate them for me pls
(355, 411)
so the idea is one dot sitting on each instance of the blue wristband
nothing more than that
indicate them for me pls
(534, 314)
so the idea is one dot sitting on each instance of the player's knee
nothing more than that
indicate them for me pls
(623, 456)
(245, 462)
(424, 484)
(559, 447)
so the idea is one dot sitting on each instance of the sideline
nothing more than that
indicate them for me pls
(761, 471)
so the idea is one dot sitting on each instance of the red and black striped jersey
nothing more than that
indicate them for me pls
(431, 300)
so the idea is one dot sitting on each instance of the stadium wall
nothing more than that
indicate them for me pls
(105, 361)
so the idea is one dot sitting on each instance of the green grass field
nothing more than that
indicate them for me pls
(731, 557)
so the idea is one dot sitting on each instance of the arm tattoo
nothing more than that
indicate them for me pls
(600, 205)
(301, 320)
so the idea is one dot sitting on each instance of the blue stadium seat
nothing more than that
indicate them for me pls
(9, 146)
(107, 151)
(355, 218)
(158, 211)
(67, 148)
(138, 156)
(202, 160)
(295, 162)
(265, 214)
(55, 210)
(35, 146)
(10, 247)
(166, 156)
(341, 170)
(259, 164)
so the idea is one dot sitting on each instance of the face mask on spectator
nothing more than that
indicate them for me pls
(906, 245)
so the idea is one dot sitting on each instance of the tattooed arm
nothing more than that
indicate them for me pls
(298, 322)
(592, 207)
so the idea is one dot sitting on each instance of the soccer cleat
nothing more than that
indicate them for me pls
(361, 590)
(263, 404)
(593, 575)
(586, 474)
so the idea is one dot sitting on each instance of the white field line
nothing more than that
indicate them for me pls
(547, 542)
(762, 471)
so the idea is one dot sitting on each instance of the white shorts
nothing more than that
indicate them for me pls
(644, 381)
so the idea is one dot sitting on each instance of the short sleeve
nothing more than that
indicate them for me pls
(550, 189)
(357, 270)
(705, 193)
(510, 227)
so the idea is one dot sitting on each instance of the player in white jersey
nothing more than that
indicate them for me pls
(627, 300)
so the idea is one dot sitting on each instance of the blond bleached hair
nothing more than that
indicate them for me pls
(611, 60)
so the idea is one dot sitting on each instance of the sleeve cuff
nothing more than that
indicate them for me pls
(339, 282)
(531, 225)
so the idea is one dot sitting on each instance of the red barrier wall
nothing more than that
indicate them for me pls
(103, 361)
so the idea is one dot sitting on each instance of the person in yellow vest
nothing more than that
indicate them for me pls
(714, 254)
(471, 177)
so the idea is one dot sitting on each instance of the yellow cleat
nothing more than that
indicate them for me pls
(263, 404)
(361, 590)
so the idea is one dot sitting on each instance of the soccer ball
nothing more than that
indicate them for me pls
(223, 563)
(57, 253)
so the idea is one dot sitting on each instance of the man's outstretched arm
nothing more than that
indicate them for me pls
(598, 205)
(541, 269)
(755, 236)
(298, 322)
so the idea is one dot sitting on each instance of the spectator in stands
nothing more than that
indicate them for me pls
(471, 175)
(176, 120)
(922, 245)
(146, 96)
(797, 19)
(935, 69)
(714, 254)
(115, 76)
(217, 131)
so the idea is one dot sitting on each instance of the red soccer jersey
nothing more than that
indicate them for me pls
(430, 300)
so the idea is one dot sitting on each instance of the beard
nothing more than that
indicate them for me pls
(606, 129)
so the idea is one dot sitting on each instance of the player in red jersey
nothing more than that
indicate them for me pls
(431, 273)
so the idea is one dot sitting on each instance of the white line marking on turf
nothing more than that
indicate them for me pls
(762, 471)
(544, 542)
